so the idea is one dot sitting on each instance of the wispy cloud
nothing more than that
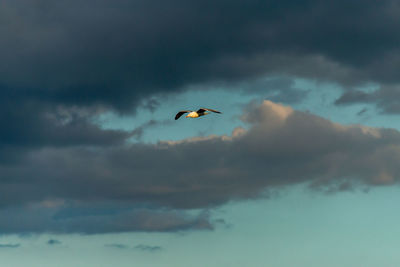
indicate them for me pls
(53, 242)
(137, 133)
(116, 245)
(148, 248)
(140, 247)
(17, 245)
(98, 218)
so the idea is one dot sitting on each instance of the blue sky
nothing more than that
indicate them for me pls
(300, 169)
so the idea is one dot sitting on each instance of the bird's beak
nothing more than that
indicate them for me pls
(186, 116)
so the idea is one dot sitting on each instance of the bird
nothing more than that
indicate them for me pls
(195, 114)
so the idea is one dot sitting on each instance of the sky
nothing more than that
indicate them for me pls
(300, 169)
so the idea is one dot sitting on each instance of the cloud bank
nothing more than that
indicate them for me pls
(65, 62)
(10, 245)
(97, 189)
(53, 242)
(119, 54)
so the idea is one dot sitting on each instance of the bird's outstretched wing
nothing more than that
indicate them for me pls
(180, 113)
(202, 110)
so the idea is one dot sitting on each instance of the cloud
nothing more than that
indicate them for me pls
(385, 98)
(138, 131)
(140, 247)
(151, 104)
(156, 187)
(353, 97)
(118, 246)
(117, 54)
(78, 60)
(53, 242)
(362, 112)
(29, 126)
(148, 248)
(10, 245)
(277, 89)
(97, 218)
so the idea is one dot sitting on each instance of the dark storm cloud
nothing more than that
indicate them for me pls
(63, 62)
(26, 126)
(99, 55)
(52, 126)
(115, 53)
(282, 147)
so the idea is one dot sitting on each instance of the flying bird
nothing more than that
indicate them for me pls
(195, 114)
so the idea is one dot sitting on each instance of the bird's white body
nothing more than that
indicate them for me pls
(194, 114)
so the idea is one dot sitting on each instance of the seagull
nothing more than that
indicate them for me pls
(195, 114)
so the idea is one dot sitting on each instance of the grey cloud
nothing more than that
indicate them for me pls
(222, 223)
(353, 97)
(278, 89)
(33, 125)
(282, 147)
(96, 218)
(362, 112)
(63, 62)
(116, 53)
(385, 98)
(118, 246)
(60, 59)
(10, 245)
(138, 131)
(140, 247)
(53, 242)
(151, 104)
(148, 248)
